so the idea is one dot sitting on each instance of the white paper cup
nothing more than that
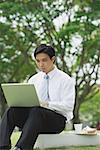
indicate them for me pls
(78, 127)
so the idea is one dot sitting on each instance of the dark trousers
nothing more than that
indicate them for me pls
(32, 121)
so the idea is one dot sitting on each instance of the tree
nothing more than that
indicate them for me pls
(26, 24)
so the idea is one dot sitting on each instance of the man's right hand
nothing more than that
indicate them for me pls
(44, 104)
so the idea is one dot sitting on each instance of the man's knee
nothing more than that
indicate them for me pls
(7, 112)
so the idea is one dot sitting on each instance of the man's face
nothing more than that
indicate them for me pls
(44, 62)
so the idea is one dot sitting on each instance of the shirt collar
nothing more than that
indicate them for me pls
(51, 73)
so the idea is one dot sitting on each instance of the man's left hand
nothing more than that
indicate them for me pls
(44, 104)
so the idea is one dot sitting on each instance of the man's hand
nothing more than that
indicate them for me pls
(44, 104)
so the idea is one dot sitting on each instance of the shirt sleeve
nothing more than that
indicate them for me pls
(32, 80)
(67, 93)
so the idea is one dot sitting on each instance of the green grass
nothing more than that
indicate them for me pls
(78, 148)
(16, 135)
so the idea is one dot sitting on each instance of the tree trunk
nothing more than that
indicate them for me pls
(76, 112)
(2, 103)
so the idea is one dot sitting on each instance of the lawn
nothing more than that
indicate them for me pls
(16, 135)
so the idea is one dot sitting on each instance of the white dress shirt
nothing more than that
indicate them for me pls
(61, 91)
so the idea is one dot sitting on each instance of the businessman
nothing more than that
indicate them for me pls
(56, 92)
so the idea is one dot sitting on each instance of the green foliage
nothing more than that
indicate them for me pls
(90, 110)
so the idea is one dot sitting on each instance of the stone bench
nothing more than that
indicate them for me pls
(65, 139)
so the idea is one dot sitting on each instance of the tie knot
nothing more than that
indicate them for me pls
(46, 76)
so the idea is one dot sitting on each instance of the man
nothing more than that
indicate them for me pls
(56, 91)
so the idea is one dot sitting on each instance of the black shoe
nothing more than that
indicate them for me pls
(17, 148)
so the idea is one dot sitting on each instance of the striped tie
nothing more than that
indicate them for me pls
(47, 86)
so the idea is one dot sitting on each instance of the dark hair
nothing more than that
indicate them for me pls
(43, 48)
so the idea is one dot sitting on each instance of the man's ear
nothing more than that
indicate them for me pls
(53, 59)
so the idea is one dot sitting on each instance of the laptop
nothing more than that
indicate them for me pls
(20, 94)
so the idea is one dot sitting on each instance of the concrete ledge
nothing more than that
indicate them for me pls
(65, 139)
